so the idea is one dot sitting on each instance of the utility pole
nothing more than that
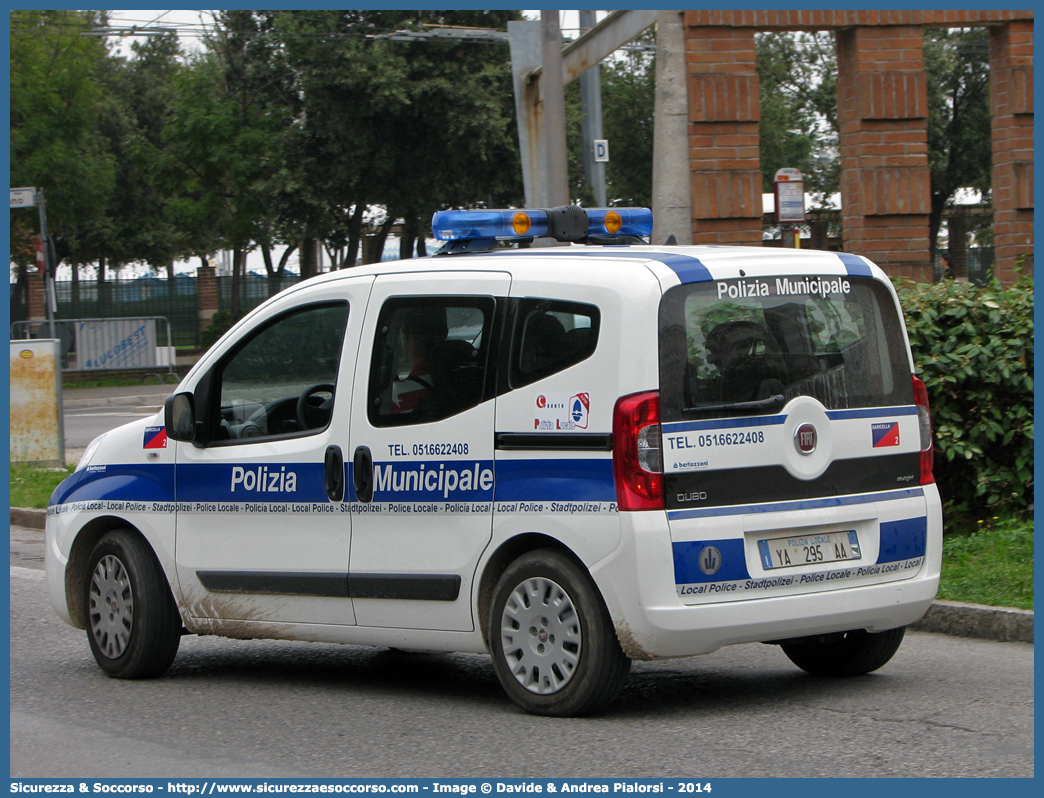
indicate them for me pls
(552, 93)
(540, 68)
(591, 121)
(49, 298)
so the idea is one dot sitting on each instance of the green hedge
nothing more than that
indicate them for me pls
(973, 347)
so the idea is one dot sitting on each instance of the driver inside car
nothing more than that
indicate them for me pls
(422, 329)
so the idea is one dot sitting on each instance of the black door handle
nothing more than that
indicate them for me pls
(363, 474)
(333, 472)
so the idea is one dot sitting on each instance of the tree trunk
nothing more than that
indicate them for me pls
(307, 258)
(409, 236)
(958, 246)
(286, 257)
(374, 250)
(266, 253)
(237, 255)
(934, 223)
(75, 286)
(354, 234)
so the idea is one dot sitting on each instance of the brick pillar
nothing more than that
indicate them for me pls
(1011, 110)
(36, 307)
(724, 153)
(885, 182)
(206, 294)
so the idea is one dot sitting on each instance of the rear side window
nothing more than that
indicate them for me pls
(550, 335)
(429, 358)
(727, 344)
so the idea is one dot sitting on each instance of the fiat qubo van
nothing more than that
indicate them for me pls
(569, 457)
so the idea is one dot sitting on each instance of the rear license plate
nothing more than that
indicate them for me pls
(809, 549)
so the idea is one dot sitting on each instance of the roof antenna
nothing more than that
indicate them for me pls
(671, 241)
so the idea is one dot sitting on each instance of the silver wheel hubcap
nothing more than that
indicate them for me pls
(540, 631)
(111, 606)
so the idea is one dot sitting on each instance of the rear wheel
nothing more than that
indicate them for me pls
(132, 622)
(553, 643)
(846, 653)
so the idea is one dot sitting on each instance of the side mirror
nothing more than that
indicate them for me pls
(179, 417)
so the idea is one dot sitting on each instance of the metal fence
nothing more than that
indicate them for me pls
(118, 344)
(176, 300)
(253, 290)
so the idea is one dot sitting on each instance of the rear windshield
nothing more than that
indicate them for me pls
(733, 347)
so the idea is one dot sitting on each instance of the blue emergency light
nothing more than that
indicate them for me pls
(505, 225)
(473, 230)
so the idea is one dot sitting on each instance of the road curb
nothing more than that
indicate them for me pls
(1005, 624)
(144, 400)
(28, 517)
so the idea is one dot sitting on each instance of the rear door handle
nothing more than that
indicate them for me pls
(362, 468)
(333, 473)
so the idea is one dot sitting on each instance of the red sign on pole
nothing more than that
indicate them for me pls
(790, 195)
(39, 255)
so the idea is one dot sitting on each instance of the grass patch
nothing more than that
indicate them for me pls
(992, 564)
(32, 487)
(117, 382)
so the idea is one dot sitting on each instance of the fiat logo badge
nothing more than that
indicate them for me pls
(805, 439)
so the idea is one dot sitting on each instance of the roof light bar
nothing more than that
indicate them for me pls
(619, 222)
(526, 224)
(499, 225)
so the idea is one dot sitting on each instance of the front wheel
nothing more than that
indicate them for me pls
(553, 644)
(132, 622)
(846, 653)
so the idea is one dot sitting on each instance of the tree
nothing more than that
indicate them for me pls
(410, 125)
(56, 144)
(797, 74)
(628, 91)
(139, 100)
(959, 139)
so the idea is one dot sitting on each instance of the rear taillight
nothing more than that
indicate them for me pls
(637, 454)
(924, 418)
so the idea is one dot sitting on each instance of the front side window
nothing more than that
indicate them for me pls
(729, 347)
(551, 335)
(429, 358)
(282, 379)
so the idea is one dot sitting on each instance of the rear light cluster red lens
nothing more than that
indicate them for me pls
(637, 452)
(924, 418)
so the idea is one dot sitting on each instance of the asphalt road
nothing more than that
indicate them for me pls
(944, 707)
(84, 425)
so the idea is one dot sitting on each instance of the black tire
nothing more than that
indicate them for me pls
(133, 624)
(553, 644)
(844, 654)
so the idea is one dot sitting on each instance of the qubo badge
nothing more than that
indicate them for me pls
(155, 438)
(885, 434)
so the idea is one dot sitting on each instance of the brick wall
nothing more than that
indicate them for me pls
(37, 307)
(207, 291)
(882, 109)
(724, 152)
(1011, 101)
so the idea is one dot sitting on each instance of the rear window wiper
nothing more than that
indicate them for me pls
(771, 403)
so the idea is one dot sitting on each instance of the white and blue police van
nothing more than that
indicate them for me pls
(569, 457)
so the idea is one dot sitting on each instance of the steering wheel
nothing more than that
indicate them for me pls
(311, 408)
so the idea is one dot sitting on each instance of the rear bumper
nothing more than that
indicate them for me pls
(638, 584)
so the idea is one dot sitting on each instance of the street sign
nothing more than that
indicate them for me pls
(23, 197)
(789, 188)
(601, 150)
